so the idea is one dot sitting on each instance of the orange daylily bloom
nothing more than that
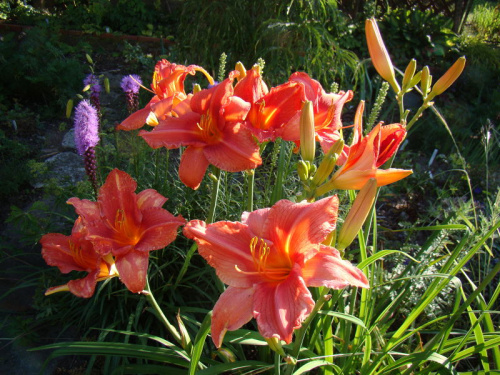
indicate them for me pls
(367, 154)
(127, 225)
(214, 129)
(271, 112)
(168, 87)
(268, 260)
(75, 253)
(327, 109)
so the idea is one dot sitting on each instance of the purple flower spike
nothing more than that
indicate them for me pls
(93, 81)
(131, 83)
(86, 127)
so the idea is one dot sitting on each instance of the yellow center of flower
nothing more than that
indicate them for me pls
(260, 252)
(208, 130)
(126, 231)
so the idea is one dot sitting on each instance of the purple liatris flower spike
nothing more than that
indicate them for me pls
(95, 90)
(130, 85)
(93, 81)
(87, 137)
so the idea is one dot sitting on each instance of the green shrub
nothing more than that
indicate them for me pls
(38, 68)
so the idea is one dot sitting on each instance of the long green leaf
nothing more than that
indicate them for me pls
(199, 342)
(315, 364)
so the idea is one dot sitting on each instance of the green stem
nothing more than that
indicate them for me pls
(215, 194)
(417, 115)
(251, 182)
(159, 313)
(300, 333)
(276, 195)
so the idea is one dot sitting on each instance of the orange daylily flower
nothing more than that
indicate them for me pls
(367, 154)
(271, 112)
(127, 225)
(327, 109)
(168, 87)
(75, 253)
(268, 260)
(214, 129)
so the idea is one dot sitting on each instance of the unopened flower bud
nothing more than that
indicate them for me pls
(357, 214)
(328, 163)
(196, 88)
(379, 55)
(275, 344)
(69, 108)
(415, 80)
(241, 69)
(425, 81)
(307, 133)
(302, 170)
(106, 85)
(448, 78)
(409, 73)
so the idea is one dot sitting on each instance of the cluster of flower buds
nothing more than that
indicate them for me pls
(383, 64)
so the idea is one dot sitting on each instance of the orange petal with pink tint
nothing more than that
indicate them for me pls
(232, 310)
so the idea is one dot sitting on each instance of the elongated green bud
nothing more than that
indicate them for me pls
(328, 163)
(275, 345)
(357, 214)
(409, 73)
(307, 132)
(106, 85)
(415, 80)
(302, 170)
(89, 59)
(425, 81)
(69, 108)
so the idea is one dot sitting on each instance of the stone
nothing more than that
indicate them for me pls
(66, 168)
(69, 140)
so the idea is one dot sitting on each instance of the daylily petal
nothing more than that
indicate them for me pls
(388, 176)
(225, 245)
(84, 287)
(150, 198)
(352, 179)
(236, 109)
(56, 252)
(281, 308)
(298, 228)
(271, 112)
(116, 195)
(328, 269)
(232, 310)
(174, 132)
(88, 210)
(160, 229)
(133, 269)
(256, 221)
(252, 87)
(136, 120)
(391, 137)
(236, 152)
(193, 166)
